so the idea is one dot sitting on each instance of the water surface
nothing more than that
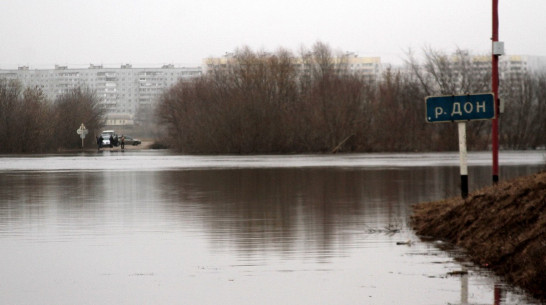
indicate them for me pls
(148, 227)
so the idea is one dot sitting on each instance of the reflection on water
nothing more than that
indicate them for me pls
(279, 209)
(232, 235)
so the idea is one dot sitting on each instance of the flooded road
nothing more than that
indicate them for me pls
(148, 227)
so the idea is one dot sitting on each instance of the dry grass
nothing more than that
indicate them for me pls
(502, 227)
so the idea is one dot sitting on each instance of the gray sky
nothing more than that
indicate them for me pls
(42, 33)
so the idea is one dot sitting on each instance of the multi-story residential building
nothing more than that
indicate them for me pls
(123, 91)
(368, 67)
(512, 67)
(515, 66)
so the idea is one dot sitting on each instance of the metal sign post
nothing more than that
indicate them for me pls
(82, 131)
(460, 109)
(498, 50)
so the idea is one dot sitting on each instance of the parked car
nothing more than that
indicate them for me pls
(105, 139)
(106, 134)
(132, 141)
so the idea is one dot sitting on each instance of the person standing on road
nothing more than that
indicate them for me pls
(122, 142)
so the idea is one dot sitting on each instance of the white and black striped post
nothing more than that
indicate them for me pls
(462, 159)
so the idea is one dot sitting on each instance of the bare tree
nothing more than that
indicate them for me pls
(398, 109)
(35, 122)
(523, 124)
(456, 74)
(9, 104)
(72, 109)
(24, 119)
(260, 102)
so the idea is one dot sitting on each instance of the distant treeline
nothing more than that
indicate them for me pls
(263, 103)
(30, 123)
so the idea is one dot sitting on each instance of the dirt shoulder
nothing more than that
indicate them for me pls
(502, 227)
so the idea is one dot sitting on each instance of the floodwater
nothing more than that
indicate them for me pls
(150, 227)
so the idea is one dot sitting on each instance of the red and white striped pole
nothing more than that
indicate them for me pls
(495, 87)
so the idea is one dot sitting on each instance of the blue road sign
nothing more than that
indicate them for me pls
(452, 108)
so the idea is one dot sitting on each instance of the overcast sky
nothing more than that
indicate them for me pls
(42, 33)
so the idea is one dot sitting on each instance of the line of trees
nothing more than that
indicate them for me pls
(30, 123)
(523, 125)
(265, 103)
(281, 103)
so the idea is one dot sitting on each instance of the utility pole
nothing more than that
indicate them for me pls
(497, 50)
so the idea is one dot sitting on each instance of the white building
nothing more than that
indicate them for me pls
(122, 90)
(368, 67)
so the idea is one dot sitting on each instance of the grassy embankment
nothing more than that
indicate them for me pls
(502, 227)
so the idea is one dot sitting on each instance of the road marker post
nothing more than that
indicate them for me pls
(461, 109)
(463, 159)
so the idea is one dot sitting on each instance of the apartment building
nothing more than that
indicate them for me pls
(123, 91)
(512, 67)
(368, 67)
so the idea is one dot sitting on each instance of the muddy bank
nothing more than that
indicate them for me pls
(502, 227)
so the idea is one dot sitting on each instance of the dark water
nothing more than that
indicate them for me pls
(153, 228)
